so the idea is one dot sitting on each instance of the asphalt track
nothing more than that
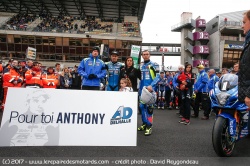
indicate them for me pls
(169, 139)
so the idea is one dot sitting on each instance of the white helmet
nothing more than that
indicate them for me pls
(148, 97)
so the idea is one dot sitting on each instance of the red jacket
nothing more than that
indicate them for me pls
(50, 80)
(10, 76)
(33, 78)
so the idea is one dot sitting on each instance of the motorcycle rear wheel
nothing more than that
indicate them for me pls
(222, 142)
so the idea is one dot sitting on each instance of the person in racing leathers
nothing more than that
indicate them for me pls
(113, 67)
(161, 83)
(147, 76)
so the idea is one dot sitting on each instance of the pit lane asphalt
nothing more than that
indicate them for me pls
(169, 139)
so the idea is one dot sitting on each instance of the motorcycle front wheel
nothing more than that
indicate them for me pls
(222, 141)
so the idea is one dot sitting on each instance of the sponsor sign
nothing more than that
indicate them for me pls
(31, 53)
(53, 117)
(233, 46)
(135, 52)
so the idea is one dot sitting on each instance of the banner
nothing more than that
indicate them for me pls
(135, 53)
(233, 46)
(56, 117)
(31, 53)
(104, 52)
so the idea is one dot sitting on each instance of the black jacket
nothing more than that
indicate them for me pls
(76, 80)
(131, 73)
(244, 74)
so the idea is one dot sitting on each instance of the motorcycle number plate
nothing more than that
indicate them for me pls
(224, 86)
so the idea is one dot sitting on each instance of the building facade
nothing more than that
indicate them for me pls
(226, 39)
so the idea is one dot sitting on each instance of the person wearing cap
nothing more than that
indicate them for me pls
(92, 70)
(201, 91)
(113, 67)
(147, 76)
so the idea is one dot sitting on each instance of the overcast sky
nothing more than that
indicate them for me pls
(161, 15)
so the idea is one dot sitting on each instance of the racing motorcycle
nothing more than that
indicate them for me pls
(231, 124)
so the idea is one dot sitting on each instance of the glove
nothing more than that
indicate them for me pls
(91, 76)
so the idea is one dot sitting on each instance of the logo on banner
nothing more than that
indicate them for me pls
(122, 115)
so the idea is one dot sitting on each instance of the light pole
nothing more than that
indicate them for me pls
(162, 60)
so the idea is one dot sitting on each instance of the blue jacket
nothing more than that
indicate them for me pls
(63, 82)
(113, 75)
(159, 83)
(89, 66)
(147, 74)
(201, 82)
(169, 80)
(175, 83)
(213, 79)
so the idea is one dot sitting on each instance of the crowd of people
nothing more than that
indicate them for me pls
(69, 24)
(130, 26)
(60, 23)
(95, 25)
(29, 74)
(19, 21)
(174, 90)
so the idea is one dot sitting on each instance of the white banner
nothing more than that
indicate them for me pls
(135, 51)
(31, 53)
(52, 117)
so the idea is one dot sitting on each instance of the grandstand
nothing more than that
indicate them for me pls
(65, 31)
